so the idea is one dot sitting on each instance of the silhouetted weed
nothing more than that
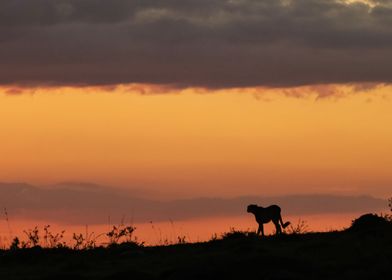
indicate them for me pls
(85, 242)
(53, 240)
(300, 228)
(32, 238)
(122, 234)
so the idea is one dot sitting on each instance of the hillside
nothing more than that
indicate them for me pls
(356, 254)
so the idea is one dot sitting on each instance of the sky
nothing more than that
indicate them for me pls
(201, 143)
(198, 98)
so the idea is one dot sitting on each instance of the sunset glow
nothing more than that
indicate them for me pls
(193, 113)
(325, 139)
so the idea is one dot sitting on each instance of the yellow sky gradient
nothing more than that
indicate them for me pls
(324, 139)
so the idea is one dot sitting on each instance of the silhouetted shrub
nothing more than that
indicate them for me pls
(237, 234)
(300, 228)
(389, 216)
(120, 232)
(370, 222)
(214, 237)
(181, 239)
(15, 244)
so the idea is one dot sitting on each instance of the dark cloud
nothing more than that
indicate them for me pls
(208, 43)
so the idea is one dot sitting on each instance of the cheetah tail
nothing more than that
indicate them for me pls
(286, 224)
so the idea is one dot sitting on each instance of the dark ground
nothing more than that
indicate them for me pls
(334, 255)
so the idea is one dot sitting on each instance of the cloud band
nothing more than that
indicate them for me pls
(214, 43)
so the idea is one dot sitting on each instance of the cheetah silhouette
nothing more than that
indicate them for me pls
(265, 215)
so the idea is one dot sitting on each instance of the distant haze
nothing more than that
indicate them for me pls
(90, 204)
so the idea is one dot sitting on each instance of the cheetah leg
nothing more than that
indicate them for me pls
(261, 229)
(278, 228)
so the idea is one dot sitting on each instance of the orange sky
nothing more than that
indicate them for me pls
(201, 142)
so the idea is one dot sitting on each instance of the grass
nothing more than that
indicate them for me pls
(349, 254)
